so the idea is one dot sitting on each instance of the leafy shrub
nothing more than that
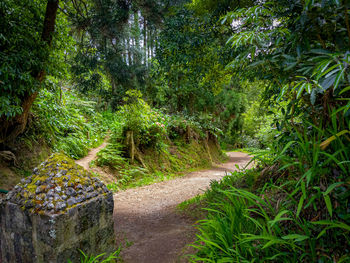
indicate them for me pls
(249, 142)
(148, 126)
(112, 154)
(68, 124)
(302, 218)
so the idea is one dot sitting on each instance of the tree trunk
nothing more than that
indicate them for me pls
(145, 40)
(137, 33)
(129, 51)
(11, 128)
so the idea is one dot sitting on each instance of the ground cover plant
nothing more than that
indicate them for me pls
(67, 123)
(297, 208)
(167, 84)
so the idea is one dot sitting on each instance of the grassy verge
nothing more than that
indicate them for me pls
(290, 208)
(194, 207)
(197, 207)
(160, 166)
(152, 178)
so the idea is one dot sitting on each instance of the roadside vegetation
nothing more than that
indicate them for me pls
(168, 84)
(294, 205)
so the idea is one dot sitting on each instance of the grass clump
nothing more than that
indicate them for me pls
(293, 207)
(102, 258)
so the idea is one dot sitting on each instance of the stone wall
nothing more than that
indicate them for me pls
(49, 216)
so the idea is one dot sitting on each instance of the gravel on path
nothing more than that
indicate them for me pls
(147, 220)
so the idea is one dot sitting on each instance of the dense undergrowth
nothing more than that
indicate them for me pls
(270, 74)
(296, 209)
(67, 123)
(146, 145)
(293, 207)
(59, 122)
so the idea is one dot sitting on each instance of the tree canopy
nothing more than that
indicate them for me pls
(266, 74)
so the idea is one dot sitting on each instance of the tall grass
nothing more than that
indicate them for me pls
(302, 216)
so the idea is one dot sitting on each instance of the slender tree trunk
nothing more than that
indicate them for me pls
(148, 44)
(10, 129)
(145, 40)
(128, 50)
(152, 44)
(137, 37)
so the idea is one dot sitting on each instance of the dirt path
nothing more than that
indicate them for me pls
(85, 162)
(146, 217)
(91, 156)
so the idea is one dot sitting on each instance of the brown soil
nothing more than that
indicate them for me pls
(146, 217)
(28, 155)
(106, 176)
(85, 162)
(147, 224)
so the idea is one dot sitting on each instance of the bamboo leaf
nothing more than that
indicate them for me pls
(344, 90)
(301, 89)
(331, 187)
(325, 143)
(339, 77)
(296, 237)
(328, 204)
(300, 205)
(303, 189)
(333, 224)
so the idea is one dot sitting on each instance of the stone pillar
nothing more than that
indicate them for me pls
(55, 212)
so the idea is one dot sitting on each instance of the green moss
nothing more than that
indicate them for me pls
(57, 171)
(59, 163)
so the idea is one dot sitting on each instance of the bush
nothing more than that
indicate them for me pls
(300, 216)
(68, 124)
(148, 126)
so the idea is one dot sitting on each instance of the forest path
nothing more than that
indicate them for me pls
(85, 162)
(147, 220)
(92, 155)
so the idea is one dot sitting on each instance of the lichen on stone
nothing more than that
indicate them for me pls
(56, 185)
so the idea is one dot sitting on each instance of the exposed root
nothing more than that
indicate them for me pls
(8, 156)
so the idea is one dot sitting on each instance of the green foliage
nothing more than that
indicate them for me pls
(113, 257)
(147, 125)
(259, 129)
(165, 145)
(301, 213)
(24, 54)
(232, 102)
(189, 69)
(304, 67)
(299, 216)
(110, 57)
(67, 123)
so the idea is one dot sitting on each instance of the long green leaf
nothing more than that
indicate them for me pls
(296, 237)
(300, 205)
(328, 204)
(331, 187)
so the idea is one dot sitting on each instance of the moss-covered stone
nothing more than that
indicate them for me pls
(56, 185)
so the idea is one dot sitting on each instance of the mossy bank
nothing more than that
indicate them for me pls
(154, 164)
